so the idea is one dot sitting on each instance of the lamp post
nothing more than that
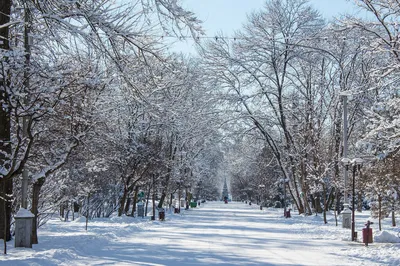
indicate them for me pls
(346, 212)
(356, 164)
(24, 218)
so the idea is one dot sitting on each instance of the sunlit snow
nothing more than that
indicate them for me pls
(212, 234)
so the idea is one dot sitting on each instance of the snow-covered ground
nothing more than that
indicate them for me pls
(212, 234)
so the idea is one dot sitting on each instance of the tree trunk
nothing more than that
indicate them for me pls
(186, 199)
(172, 153)
(325, 204)
(87, 211)
(179, 197)
(62, 210)
(127, 205)
(147, 200)
(135, 197)
(317, 206)
(73, 210)
(124, 196)
(4, 222)
(66, 207)
(161, 202)
(359, 202)
(313, 203)
(122, 202)
(153, 197)
(296, 199)
(170, 201)
(336, 205)
(380, 211)
(6, 185)
(307, 207)
(165, 190)
(6, 190)
(303, 175)
(330, 199)
(37, 186)
(393, 215)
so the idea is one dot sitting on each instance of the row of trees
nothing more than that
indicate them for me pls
(283, 79)
(94, 110)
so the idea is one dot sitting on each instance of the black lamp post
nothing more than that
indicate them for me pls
(353, 205)
(356, 164)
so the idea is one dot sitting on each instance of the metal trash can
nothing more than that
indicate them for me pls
(367, 235)
(193, 204)
(161, 214)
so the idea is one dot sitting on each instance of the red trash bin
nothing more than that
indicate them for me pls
(367, 235)
(161, 214)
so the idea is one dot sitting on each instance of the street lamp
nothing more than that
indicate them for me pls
(284, 181)
(346, 212)
(356, 163)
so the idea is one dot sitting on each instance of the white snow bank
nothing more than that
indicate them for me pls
(386, 237)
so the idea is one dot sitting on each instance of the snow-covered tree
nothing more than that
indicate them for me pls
(60, 29)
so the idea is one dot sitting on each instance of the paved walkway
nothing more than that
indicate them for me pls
(238, 234)
(213, 234)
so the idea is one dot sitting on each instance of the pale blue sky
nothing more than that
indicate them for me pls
(228, 15)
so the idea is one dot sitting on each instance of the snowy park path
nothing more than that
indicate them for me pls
(213, 234)
(238, 234)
